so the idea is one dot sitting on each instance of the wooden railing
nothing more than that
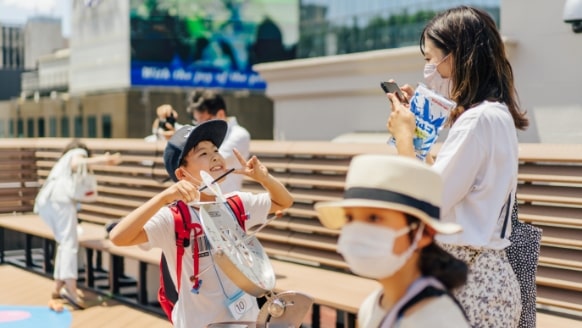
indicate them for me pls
(549, 193)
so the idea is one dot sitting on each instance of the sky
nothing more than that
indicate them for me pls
(18, 11)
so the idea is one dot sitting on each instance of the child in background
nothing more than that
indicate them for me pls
(190, 150)
(59, 211)
(389, 217)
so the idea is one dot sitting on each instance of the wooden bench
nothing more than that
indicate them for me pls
(549, 192)
(549, 176)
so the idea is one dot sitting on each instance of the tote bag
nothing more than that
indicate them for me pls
(523, 255)
(83, 185)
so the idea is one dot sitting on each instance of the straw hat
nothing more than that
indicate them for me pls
(390, 182)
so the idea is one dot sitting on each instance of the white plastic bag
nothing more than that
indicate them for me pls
(431, 111)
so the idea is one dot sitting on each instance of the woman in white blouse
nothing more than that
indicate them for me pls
(466, 62)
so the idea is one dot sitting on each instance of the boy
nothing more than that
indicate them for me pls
(208, 105)
(190, 150)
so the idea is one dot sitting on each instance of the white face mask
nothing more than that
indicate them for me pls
(368, 249)
(435, 81)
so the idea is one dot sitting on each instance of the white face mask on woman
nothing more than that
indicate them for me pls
(368, 249)
(435, 81)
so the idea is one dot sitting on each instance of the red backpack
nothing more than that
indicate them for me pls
(168, 293)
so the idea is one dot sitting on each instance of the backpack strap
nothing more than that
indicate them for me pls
(182, 234)
(183, 227)
(236, 205)
(429, 291)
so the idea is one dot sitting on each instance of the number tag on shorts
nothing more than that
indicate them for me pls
(239, 304)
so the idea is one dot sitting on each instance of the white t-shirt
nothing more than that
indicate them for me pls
(440, 311)
(239, 138)
(59, 177)
(371, 313)
(209, 306)
(478, 162)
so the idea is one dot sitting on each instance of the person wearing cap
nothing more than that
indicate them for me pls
(209, 105)
(388, 218)
(190, 150)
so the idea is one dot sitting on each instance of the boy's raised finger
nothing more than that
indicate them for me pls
(239, 157)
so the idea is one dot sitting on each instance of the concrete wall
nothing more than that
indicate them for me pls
(100, 51)
(546, 61)
(42, 36)
(321, 98)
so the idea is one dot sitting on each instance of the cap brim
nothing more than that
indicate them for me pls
(213, 131)
(331, 214)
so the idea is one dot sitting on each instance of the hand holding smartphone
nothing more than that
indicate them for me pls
(392, 87)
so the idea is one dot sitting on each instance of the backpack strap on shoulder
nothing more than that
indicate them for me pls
(427, 292)
(182, 234)
(236, 205)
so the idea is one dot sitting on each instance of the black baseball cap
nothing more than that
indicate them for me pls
(187, 137)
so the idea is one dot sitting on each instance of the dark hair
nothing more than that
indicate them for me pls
(438, 263)
(206, 101)
(76, 143)
(481, 70)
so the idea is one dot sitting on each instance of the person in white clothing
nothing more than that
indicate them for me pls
(389, 217)
(466, 62)
(190, 150)
(59, 211)
(209, 105)
(165, 124)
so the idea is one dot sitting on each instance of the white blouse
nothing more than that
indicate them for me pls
(478, 162)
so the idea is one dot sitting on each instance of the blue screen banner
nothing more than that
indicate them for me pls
(209, 43)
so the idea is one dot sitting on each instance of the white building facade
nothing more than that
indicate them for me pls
(322, 98)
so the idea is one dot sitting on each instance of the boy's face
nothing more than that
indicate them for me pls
(204, 156)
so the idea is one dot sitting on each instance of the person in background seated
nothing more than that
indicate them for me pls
(388, 218)
(208, 105)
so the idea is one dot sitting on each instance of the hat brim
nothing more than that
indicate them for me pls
(213, 131)
(331, 214)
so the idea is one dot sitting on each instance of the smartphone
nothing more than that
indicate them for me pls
(392, 87)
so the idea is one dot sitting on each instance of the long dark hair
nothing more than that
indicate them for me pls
(76, 143)
(480, 70)
(438, 263)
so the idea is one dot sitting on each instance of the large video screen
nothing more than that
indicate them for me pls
(209, 43)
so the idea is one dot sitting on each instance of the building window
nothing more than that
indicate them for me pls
(64, 127)
(52, 127)
(19, 128)
(106, 126)
(41, 133)
(2, 129)
(11, 129)
(92, 126)
(30, 127)
(78, 126)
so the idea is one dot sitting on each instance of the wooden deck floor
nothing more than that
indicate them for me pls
(20, 287)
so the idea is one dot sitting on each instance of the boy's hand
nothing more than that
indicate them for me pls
(183, 190)
(253, 168)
